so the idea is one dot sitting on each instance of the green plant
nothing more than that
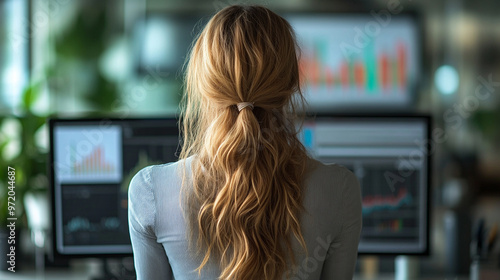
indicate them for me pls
(29, 161)
(78, 48)
(487, 122)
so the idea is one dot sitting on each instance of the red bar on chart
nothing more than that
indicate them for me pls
(315, 71)
(344, 74)
(384, 71)
(401, 53)
(359, 75)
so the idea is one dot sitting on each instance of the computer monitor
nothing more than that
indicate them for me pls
(91, 164)
(368, 60)
(390, 157)
(93, 161)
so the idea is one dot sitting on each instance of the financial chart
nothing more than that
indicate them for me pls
(391, 169)
(87, 153)
(93, 166)
(391, 212)
(357, 60)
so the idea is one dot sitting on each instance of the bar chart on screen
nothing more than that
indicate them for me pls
(345, 61)
(373, 74)
(94, 163)
(89, 153)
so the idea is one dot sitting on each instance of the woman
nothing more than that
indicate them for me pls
(244, 201)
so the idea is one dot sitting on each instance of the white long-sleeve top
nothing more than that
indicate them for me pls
(330, 224)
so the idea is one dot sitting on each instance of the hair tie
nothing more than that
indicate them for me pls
(243, 105)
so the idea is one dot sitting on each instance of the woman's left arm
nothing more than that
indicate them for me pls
(150, 260)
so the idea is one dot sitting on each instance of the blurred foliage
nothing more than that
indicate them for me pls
(487, 121)
(84, 38)
(82, 42)
(29, 162)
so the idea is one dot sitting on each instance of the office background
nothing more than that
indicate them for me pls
(123, 58)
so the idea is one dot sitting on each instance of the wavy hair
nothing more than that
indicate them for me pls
(245, 192)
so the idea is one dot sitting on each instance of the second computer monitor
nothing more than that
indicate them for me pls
(358, 60)
(390, 158)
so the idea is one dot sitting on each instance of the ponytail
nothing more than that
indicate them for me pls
(245, 196)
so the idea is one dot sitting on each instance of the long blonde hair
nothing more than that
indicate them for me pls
(248, 166)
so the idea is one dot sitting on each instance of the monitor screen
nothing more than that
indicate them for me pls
(93, 162)
(365, 60)
(389, 157)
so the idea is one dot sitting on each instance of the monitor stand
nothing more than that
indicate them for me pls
(406, 267)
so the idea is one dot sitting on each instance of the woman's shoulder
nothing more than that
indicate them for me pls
(330, 179)
(158, 169)
(329, 170)
(165, 173)
(331, 189)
